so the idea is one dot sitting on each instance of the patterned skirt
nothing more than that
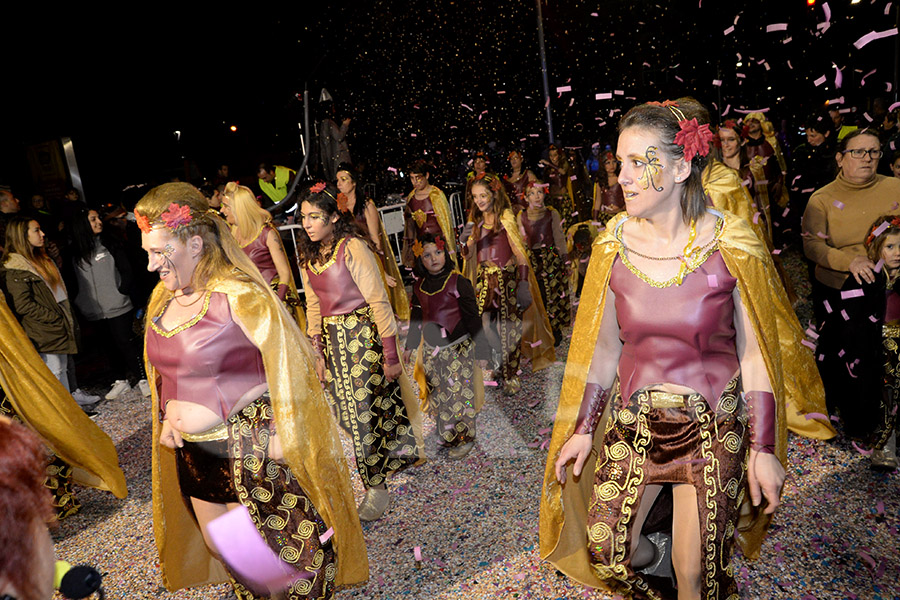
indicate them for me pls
(230, 463)
(59, 472)
(451, 390)
(369, 407)
(551, 277)
(889, 408)
(565, 206)
(659, 438)
(495, 292)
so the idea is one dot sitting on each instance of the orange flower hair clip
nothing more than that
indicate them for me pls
(316, 188)
(175, 217)
(881, 228)
(417, 249)
(143, 222)
(439, 243)
(343, 202)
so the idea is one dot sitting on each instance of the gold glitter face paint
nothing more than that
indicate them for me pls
(652, 168)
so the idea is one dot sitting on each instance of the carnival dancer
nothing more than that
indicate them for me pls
(366, 216)
(515, 182)
(608, 197)
(696, 393)
(427, 211)
(356, 337)
(558, 174)
(258, 237)
(549, 257)
(446, 319)
(505, 286)
(238, 411)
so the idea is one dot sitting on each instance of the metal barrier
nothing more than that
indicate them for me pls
(293, 228)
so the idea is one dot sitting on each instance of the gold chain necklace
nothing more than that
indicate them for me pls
(685, 253)
(191, 303)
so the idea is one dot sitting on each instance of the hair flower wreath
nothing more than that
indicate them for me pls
(143, 222)
(418, 249)
(693, 137)
(317, 188)
(175, 217)
(439, 243)
(881, 228)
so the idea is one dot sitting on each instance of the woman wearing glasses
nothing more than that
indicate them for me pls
(835, 225)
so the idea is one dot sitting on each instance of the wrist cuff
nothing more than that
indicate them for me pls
(317, 345)
(522, 273)
(761, 408)
(390, 350)
(592, 404)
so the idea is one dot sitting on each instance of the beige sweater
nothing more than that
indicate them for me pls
(837, 221)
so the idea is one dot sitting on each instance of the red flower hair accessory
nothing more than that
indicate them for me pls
(317, 188)
(881, 228)
(695, 138)
(176, 216)
(143, 222)
(439, 243)
(343, 202)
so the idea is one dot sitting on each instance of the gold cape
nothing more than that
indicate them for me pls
(791, 369)
(536, 325)
(44, 405)
(723, 186)
(397, 294)
(442, 214)
(308, 435)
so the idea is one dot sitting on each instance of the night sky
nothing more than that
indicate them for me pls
(431, 77)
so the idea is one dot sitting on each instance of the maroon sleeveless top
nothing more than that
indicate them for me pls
(538, 233)
(892, 307)
(493, 246)
(516, 191)
(613, 196)
(442, 307)
(207, 361)
(690, 343)
(419, 208)
(334, 286)
(259, 253)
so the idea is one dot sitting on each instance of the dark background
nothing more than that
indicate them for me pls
(120, 82)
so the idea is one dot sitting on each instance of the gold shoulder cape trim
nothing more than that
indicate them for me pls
(44, 405)
(310, 441)
(790, 366)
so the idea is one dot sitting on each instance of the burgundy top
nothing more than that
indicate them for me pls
(259, 253)
(516, 190)
(612, 196)
(334, 286)
(538, 233)
(363, 224)
(690, 343)
(493, 246)
(208, 360)
(892, 307)
(444, 310)
(431, 225)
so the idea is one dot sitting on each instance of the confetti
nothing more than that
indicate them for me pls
(838, 204)
(776, 27)
(712, 281)
(417, 552)
(816, 416)
(563, 88)
(847, 294)
(872, 36)
(603, 96)
(326, 536)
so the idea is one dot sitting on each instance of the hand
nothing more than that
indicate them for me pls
(407, 355)
(862, 269)
(467, 230)
(275, 451)
(578, 447)
(766, 478)
(392, 372)
(320, 368)
(390, 281)
(523, 295)
(170, 437)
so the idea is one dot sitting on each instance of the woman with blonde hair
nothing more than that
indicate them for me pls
(252, 227)
(238, 410)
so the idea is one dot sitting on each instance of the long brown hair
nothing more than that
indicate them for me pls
(500, 200)
(17, 242)
(324, 197)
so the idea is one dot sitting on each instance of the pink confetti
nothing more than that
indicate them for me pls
(881, 229)
(326, 536)
(838, 77)
(816, 416)
(466, 106)
(717, 82)
(878, 265)
(887, 8)
(864, 555)
(776, 27)
(820, 81)
(603, 96)
(544, 431)
(490, 383)
(536, 344)
(756, 218)
(872, 36)
(851, 294)
(712, 281)
(435, 353)
(873, 319)
(845, 315)
(535, 403)
(417, 552)
(838, 204)
(822, 235)
(827, 307)
(729, 31)
(563, 88)
(811, 333)
(827, 10)
(841, 353)
(879, 507)
(808, 344)
(863, 80)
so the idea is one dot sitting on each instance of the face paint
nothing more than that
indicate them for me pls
(652, 167)
(168, 251)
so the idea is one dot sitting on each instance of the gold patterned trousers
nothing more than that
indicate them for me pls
(551, 277)
(659, 438)
(889, 407)
(451, 390)
(280, 509)
(59, 472)
(495, 292)
(369, 407)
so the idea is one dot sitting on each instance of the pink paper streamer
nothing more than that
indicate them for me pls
(729, 31)
(874, 35)
(851, 294)
(838, 204)
(838, 77)
(808, 344)
(878, 265)
(776, 27)
(816, 416)
(536, 344)
(563, 88)
(603, 96)
(417, 552)
(881, 229)
(326, 536)
(827, 306)
(490, 383)
(845, 315)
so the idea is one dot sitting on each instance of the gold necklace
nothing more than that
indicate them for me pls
(685, 253)
(191, 303)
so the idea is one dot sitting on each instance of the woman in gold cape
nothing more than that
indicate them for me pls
(42, 403)
(308, 435)
(565, 508)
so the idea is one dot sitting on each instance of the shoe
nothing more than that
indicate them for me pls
(883, 461)
(144, 387)
(83, 399)
(374, 505)
(119, 387)
(89, 411)
(662, 565)
(462, 450)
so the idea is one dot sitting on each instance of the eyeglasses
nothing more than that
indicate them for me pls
(859, 153)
